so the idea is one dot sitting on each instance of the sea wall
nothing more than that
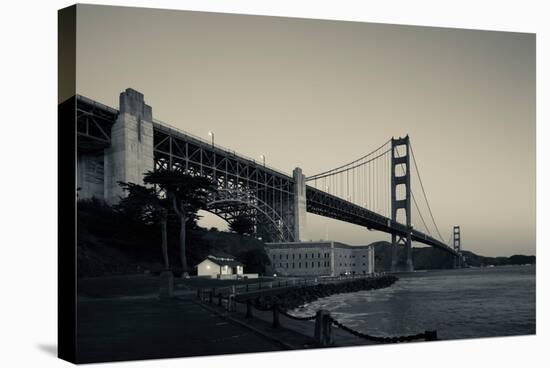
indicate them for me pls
(299, 296)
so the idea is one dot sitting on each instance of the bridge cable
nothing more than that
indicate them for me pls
(415, 203)
(424, 192)
(348, 164)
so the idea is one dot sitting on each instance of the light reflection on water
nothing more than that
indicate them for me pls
(467, 303)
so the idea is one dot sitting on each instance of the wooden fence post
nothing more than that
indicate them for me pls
(323, 328)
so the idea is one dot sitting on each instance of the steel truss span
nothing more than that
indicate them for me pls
(247, 186)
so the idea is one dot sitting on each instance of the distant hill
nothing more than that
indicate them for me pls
(429, 258)
(473, 259)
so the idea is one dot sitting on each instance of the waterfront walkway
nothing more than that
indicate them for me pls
(122, 318)
(124, 329)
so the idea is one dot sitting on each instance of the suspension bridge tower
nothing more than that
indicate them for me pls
(456, 246)
(401, 199)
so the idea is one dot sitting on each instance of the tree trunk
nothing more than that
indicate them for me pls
(183, 256)
(164, 243)
(180, 211)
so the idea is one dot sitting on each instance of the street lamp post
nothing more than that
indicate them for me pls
(211, 134)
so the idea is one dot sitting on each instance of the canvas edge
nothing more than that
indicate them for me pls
(66, 175)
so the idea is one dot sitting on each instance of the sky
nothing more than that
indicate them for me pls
(316, 94)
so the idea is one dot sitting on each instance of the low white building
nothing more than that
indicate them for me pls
(221, 266)
(327, 258)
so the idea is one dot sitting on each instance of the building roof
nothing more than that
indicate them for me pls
(223, 259)
(313, 245)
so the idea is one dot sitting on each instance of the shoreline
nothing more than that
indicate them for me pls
(298, 297)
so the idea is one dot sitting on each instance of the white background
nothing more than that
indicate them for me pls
(28, 182)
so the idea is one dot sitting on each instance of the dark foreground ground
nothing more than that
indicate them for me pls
(127, 329)
(122, 318)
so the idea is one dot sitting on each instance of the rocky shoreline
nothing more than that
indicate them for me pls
(297, 297)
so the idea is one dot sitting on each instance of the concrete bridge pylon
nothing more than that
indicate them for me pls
(130, 154)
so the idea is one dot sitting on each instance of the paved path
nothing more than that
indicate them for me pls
(122, 318)
(125, 329)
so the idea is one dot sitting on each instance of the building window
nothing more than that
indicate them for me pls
(319, 255)
(300, 256)
(293, 255)
(319, 264)
(299, 264)
(306, 255)
(280, 256)
(287, 256)
(305, 263)
(293, 265)
(287, 265)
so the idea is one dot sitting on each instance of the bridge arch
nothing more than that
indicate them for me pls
(229, 203)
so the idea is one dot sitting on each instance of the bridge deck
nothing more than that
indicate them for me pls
(94, 122)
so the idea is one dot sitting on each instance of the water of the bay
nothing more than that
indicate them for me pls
(466, 303)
